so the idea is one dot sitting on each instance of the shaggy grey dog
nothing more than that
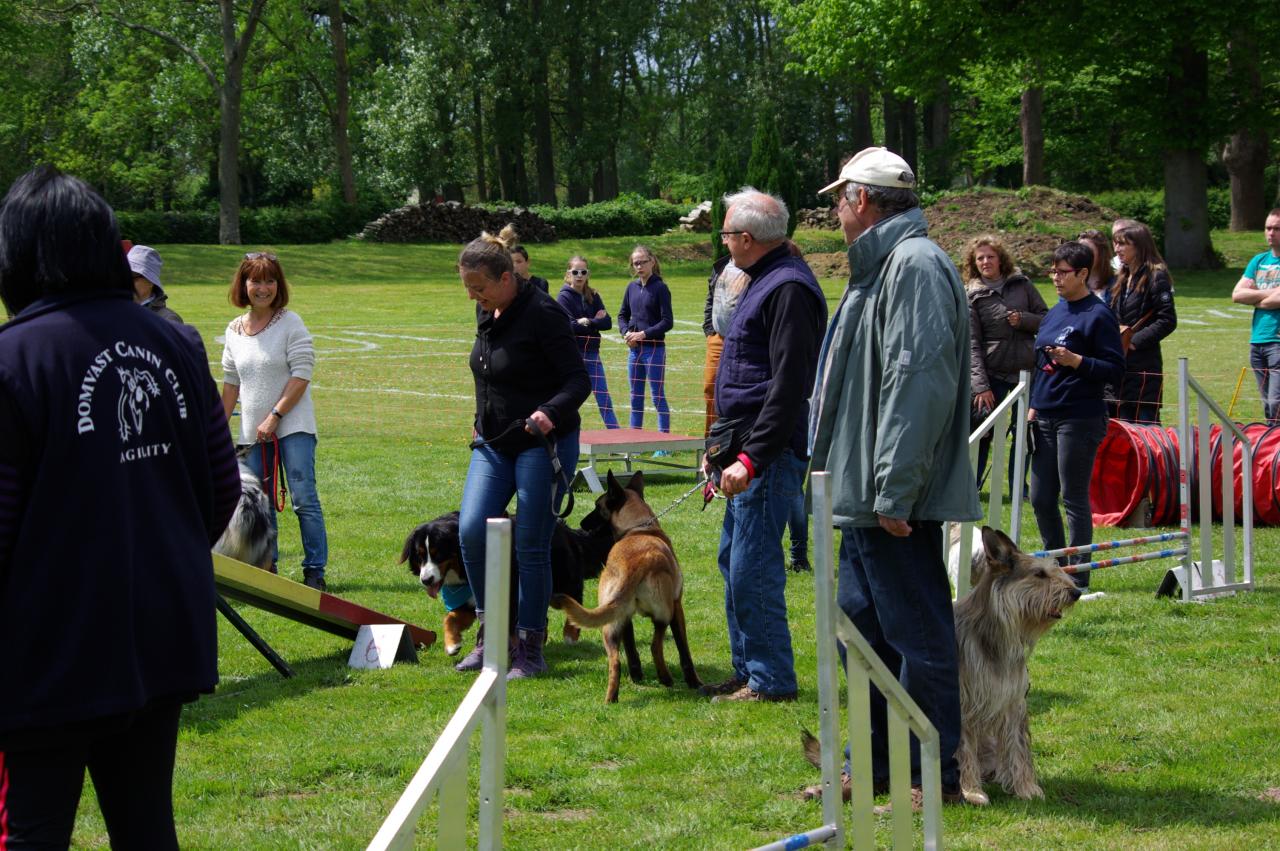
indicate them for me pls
(249, 536)
(1015, 600)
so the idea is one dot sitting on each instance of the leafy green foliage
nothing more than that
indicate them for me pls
(725, 178)
(770, 168)
(626, 215)
(323, 221)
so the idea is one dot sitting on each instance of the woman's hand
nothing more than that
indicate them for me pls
(601, 313)
(267, 427)
(634, 338)
(541, 420)
(984, 401)
(584, 321)
(1064, 357)
(1031, 415)
(1015, 318)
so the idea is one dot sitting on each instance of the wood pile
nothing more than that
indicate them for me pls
(821, 219)
(453, 221)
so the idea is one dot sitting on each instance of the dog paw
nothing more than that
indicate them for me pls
(1029, 791)
(452, 649)
(976, 797)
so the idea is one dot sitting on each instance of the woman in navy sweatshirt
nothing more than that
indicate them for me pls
(1077, 354)
(644, 320)
(587, 318)
(116, 475)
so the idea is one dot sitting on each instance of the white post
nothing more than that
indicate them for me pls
(493, 746)
(828, 680)
(1186, 451)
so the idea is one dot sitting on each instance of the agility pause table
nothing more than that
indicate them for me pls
(629, 445)
(297, 602)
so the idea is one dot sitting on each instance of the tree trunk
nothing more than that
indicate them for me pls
(1031, 120)
(1245, 155)
(482, 183)
(1186, 197)
(938, 139)
(892, 123)
(543, 143)
(830, 136)
(342, 106)
(907, 127)
(863, 136)
(577, 176)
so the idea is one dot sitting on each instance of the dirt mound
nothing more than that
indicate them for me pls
(1030, 222)
(692, 251)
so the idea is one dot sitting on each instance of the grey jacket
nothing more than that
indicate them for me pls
(997, 349)
(891, 419)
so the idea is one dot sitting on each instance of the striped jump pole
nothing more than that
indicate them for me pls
(1115, 545)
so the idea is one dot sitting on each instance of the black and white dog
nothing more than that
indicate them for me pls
(249, 536)
(434, 555)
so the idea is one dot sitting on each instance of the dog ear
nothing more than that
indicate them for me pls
(408, 547)
(637, 483)
(1002, 553)
(616, 495)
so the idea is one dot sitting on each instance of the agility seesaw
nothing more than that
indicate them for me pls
(297, 602)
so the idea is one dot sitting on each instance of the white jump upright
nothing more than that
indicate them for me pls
(445, 768)
(863, 669)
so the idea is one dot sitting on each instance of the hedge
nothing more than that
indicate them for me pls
(321, 222)
(1147, 206)
(626, 215)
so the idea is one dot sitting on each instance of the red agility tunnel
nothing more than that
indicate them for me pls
(1137, 461)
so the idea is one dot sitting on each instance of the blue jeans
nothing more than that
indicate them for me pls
(595, 371)
(648, 360)
(298, 452)
(896, 592)
(755, 578)
(492, 479)
(1063, 464)
(798, 526)
(1265, 360)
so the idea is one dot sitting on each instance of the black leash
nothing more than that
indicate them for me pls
(558, 475)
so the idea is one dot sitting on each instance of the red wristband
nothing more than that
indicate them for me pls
(746, 462)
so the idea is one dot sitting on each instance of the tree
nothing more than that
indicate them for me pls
(726, 178)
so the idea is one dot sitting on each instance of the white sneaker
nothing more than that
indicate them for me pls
(1094, 596)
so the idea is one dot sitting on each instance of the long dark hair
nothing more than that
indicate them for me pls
(57, 236)
(1142, 272)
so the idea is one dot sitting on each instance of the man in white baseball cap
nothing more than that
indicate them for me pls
(145, 262)
(891, 428)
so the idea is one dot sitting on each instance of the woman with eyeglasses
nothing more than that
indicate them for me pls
(267, 362)
(1005, 310)
(1142, 300)
(644, 320)
(1077, 354)
(587, 318)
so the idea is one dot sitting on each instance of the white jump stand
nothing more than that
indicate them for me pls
(628, 445)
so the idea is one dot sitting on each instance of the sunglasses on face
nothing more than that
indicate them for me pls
(254, 255)
(579, 273)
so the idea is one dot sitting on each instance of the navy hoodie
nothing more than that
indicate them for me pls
(1088, 328)
(117, 473)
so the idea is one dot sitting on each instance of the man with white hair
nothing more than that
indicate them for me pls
(762, 389)
(891, 427)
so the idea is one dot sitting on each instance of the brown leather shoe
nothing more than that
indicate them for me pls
(747, 694)
(813, 793)
(729, 686)
(949, 797)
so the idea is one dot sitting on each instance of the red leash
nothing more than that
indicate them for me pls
(277, 469)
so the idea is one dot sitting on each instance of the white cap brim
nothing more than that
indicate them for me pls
(831, 187)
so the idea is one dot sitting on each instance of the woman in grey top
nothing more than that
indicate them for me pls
(267, 365)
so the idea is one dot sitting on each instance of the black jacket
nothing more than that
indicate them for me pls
(526, 360)
(116, 475)
(1130, 304)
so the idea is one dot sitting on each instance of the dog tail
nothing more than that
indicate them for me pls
(617, 608)
(812, 750)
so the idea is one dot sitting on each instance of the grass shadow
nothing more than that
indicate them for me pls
(233, 697)
(1150, 808)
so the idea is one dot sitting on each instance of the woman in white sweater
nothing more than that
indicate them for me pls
(267, 365)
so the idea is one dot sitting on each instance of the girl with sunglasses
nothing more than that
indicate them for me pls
(644, 320)
(587, 318)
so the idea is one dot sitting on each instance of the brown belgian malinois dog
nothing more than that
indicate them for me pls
(641, 575)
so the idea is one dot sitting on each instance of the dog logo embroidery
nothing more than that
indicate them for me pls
(138, 388)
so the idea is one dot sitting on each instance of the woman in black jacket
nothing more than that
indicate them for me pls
(528, 375)
(1142, 300)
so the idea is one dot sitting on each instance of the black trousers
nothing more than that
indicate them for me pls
(130, 758)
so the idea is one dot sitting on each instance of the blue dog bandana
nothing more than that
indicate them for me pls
(456, 596)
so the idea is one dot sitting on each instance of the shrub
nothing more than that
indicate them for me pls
(1147, 206)
(626, 215)
(323, 221)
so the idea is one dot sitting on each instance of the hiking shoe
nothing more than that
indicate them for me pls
(747, 694)
(662, 453)
(527, 659)
(313, 578)
(800, 564)
(474, 660)
(729, 686)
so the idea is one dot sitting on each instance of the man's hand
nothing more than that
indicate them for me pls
(734, 479)
(894, 526)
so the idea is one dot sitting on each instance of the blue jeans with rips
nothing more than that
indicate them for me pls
(298, 454)
(755, 577)
(896, 592)
(648, 361)
(1264, 358)
(492, 479)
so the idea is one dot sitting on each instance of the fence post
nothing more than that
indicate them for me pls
(828, 679)
(493, 745)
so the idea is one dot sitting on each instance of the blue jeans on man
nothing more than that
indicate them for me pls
(648, 361)
(755, 577)
(298, 454)
(896, 592)
(492, 479)
(1264, 358)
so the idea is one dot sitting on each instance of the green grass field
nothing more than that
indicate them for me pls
(1154, 723)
